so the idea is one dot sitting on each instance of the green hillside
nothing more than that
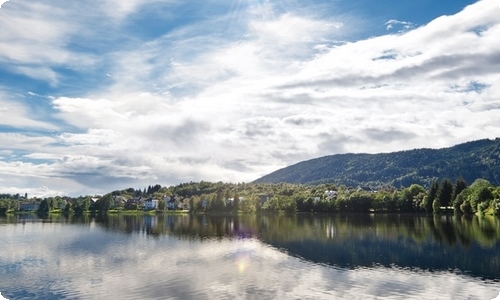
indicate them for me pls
(471, 160)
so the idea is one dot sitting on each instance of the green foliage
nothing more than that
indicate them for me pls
(250, 204)
(436, 206)
(428, 203)
(445, 192)
(161, 205)
(460, 185)
(359, 202)
(44, 207)
(468, 161)
(477, 197)
(405, 201)
(68, 209)
(480, 197)
(104, 203)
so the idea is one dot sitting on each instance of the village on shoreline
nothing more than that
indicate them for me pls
(481, 197)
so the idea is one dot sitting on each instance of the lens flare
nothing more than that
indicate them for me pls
(242, 263)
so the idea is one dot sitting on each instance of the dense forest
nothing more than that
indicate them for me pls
(480, 197)
(477, 159)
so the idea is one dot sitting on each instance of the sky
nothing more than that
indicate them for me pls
(102, 96)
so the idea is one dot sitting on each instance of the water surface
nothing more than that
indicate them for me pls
(250, 257)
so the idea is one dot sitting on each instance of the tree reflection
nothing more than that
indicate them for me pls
(463, 243)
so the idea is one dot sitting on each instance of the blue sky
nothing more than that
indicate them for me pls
(115, 94)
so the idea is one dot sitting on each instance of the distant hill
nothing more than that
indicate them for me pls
(471, 160)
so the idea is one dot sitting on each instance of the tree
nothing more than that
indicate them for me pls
(236, 202)
(436, 205)
(405, 201)
(161, 205)
(218, 203)
(86, 204)
(51, 203)
(416, 189)
(68, 208)
(248, 205)
(44, 207)
(480, 199)
(445, 193)
(431, 196)
(104, 204)
(479, 192)
(360, 202)
(460, 185)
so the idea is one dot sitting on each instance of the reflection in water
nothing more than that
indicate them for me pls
(250, 257)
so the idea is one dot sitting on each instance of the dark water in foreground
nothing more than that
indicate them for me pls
(250, 257)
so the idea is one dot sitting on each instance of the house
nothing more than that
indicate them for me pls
(184, 204)
(134, 203)
(151, 203)
(120, 200)
(331, 195)
(365, 189)
(171, 203)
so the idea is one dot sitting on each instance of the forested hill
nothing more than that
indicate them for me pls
(471, 160)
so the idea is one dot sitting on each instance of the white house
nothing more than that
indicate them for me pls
(331, 195)
(151, 203)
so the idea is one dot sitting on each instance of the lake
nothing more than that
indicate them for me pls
(249, 257)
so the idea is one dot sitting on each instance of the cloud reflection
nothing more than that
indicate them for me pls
(46, 260)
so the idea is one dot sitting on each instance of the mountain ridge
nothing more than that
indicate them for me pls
(469, 160)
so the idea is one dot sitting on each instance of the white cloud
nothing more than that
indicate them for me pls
(15, 114)
(40, 192)
(197, 105)
(391, 24)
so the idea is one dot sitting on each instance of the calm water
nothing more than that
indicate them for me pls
(250, 257)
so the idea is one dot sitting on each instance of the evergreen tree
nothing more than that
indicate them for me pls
(445, 193)
(431, 196)
(44, 207)
(68, 208)
(460, 185)
(236, 202)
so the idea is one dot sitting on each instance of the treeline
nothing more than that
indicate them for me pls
(442, 196)
(480, 197)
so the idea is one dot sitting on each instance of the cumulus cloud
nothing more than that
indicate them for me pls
(404, 25)
(235, 102)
